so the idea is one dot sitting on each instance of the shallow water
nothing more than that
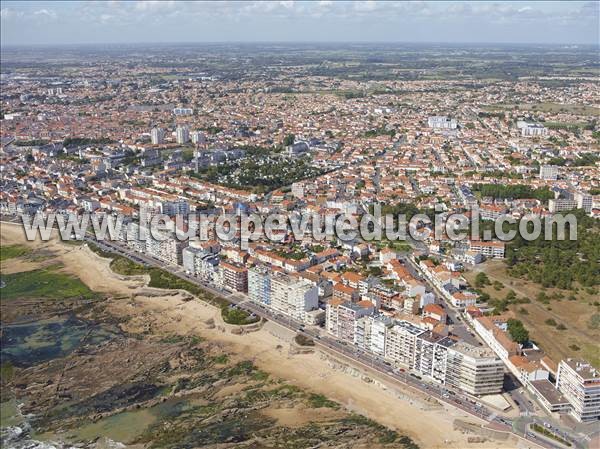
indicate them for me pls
(28, 344)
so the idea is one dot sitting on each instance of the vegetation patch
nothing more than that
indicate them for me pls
(303, 340)
(13, 251)
(237, 316)
(543, 431)
(45, 283)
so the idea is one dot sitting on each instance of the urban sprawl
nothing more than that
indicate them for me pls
(121, 137)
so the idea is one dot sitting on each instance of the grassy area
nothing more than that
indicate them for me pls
(12, 251)
(163, 279)
(542, 430)
(318, 401)
(237, 316)
(573, 309)
(44, 283)
(122, 265)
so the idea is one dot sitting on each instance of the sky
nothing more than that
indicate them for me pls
(73, 22)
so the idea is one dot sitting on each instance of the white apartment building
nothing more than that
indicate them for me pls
(475, 370)
(584, 201)
(172, 208)
(259, 284)
(549, 172)
(495, 338)
(401, 343)
(432, 355)
(200, 262)
(169, 250)
(488, 249)
(293, 297)
(442, 122)
(157, 135)
(579, 383)
(183, 111)
(562, 204)
(182, 135)
(532, 129)
(379, 328)
(197, 137)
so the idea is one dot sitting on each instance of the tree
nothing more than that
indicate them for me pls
(289, 140)
(517, 331)
(481, 280)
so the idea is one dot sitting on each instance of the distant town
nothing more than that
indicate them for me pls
(150, 131)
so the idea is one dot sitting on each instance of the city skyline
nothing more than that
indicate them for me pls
(115, 22)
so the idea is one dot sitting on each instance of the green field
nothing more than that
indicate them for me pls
(13, 251)
(47, 283)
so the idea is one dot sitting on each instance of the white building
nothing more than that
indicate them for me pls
(259, 284)
(183, 111)
(197, 137)
(293, 297)
(531, 129)
(475, 370)
(442, 122)
(584, 201)
(549, 172)
(579, 383)
(157, 135)
(182, 135)
(562, 204)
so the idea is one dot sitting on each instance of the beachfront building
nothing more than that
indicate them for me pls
(579, 383)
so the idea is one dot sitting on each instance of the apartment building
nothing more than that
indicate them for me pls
(431, 355)
(169, 250)
(488, 249)
(584, 201)
(200, 262)
(379, 326)
(293, 297)
(345, 292)
(473, 369)
(401, 343)
(442, 122)
(157, 136)
(492, 211)
(549, 172)
(495, 338)
(182, 134)
(233, 276)
(342, 316)
(532, 129)
(562, 204)
(259, 284)
(579, 383)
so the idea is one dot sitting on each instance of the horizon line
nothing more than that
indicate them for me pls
(304, 42)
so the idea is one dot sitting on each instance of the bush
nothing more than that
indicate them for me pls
(550, 322)
(303, 340)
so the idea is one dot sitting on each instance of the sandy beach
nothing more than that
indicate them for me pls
(430, 425)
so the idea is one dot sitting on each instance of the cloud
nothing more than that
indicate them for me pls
(289, 20)
(45, 13)
(10, 13)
